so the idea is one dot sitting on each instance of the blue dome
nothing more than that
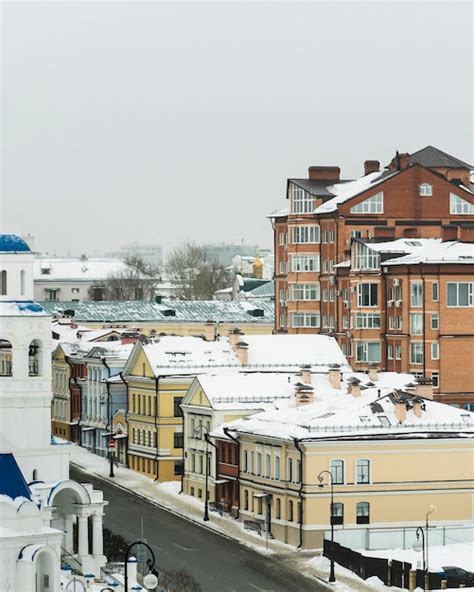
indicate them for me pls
(11, 243)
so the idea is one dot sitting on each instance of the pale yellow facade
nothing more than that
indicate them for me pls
(405, 477)
(60, 407)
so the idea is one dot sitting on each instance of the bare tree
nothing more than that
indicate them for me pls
(134, 282)
(193, 276)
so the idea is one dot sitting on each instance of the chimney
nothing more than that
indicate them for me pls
(353, 387)
(304, 394)
(335, 376)
(400, 411)
(242, 352)
(234, 337)
(210, 331)
(306, 373)
(403, 161)
(373, 372)
(324, 173)
(417, 407)
(424, 388)
(371, 166)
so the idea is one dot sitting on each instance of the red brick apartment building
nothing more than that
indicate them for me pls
(427, 194)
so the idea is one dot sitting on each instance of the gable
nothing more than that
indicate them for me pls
(138, 363)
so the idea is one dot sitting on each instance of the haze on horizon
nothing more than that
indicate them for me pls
(163, 122)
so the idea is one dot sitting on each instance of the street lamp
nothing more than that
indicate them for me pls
(332, 577)
(420, 546)
(431, 509)
(150, 581)
(199, 430)
(75, 581)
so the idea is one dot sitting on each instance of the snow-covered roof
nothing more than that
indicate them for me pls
(347, 190)
(402, 245)
(11, 243)
(104, 349)
(338, 414)
(436, 251)
(24, 308)
(168, 311)
(76, 268)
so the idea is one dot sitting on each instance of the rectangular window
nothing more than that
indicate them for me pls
(305, 292)
(301, 201)
(398, 352)
(368, 351)
(245, 461)
(435, 291)
(304, 263)
(416, 293)
(372, 205)
(416, 353)
(364, 257)
(178, 440)
(259, 464)
(305, 319)
(281, 267)
(336, 468)
(281, 238)
(363, 471)
(435, 321)
(325, 295)
(460, 294)
(367, 320)
(277, 467)
(268, 465)
(305, 234)
(416, 323)
(176, 406)
(367, 295)
(178, 467)
(435, 379)
(457, 205)
(390, 352)
(435, 351)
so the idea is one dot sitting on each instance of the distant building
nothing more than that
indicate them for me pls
(224, 253)
(150, 253)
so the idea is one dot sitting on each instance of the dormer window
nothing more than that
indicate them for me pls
(302, 202)
(426, 190)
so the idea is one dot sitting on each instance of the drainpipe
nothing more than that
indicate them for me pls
(128, 434)
(182, 452)
(237, 441)
(423, 319)
(300, 492)
(385, 321)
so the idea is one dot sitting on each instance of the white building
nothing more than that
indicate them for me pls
(39, 504)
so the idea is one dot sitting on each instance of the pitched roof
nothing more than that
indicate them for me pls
(12, 482)
(76, 268)
(434, 157)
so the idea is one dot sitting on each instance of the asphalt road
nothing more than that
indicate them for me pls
(219, 564)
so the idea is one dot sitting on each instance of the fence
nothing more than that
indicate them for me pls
(392, 573)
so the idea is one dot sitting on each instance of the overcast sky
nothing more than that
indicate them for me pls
(161, 122)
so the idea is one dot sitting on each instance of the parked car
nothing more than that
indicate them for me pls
(457, 575)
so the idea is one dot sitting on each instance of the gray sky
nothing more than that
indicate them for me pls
(162, 122)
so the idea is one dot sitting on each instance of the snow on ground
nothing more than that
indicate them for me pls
(458, 554)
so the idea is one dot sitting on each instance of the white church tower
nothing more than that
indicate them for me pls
(47, 519)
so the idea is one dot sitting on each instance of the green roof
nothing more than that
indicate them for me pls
(252, 283)
(266, 290)
(167, 311)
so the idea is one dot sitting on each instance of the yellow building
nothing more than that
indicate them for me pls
(390, 455)
(61, 404)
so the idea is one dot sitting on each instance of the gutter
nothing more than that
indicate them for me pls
(300, 491)
(237, 441)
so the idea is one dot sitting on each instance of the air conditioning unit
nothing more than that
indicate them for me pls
(396, 282)
(398, 303)
(390, 303)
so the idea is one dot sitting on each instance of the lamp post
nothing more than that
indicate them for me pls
(199, 430)
(417, 546)
(150, 581)
(75, 581)
(431, 509)
(332, 577)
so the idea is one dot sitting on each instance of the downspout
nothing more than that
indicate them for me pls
(385, 321)
(237, 441)
(423, 319)
(300, 492)
(128, 434)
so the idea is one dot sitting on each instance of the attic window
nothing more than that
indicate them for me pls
(426, 190)
(384, 420)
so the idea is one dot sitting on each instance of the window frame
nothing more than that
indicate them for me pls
(356, 472)
(363, 513)
(338, 472)
(372, 205)
(426, 190)
(470, 295)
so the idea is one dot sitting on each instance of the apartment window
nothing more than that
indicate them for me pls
(416, 353)
(305, 292)
(305, 234)
(337, 515)
(176, 406)
(368, 351)
(246, 499)
(281, 238)
(345, 322)
(390, 352)
(289, 470)
(435, 291)
(278, 508)
(426, 190)
(290, 511)
(435, 321)
(373, 205)
(367, 320)
(268, 465)
(298, 471)
(460, 294)
(336, 468)
(305, 319)
(363, 471)
(281, 267)
(301, 201)
(331, 294)
(178, 440)
(435, 351)
(75, 290)
(362, 513)
(277, 467)
(391, 322)
(282, 320)
(398, 352)
(304, 263)
(416, 323)
(178, 467)
(457, 205)
(365, 258)
(259, 464)
(245, 461)
(416, 293)
(367, 294)
(399, 323)
(252, 457)
(325, 294)
(435, 379)
(356, 233)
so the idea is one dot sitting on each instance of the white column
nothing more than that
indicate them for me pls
(97, 537)
(83, 536)
(68, 538)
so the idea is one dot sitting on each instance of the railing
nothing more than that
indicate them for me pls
(424, 427)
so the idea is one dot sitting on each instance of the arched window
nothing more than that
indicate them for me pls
(35, 358)
(3, 283)
(5, 358)
(363, 513)
(337, 514)
(35, 475)
(289, 470)
(22, 282)
(363, 470)
(336, 468)
(426, 190)
(246, 499)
